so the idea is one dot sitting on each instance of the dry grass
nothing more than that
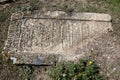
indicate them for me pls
(111, 67)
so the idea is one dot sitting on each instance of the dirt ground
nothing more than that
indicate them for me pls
(105, 49)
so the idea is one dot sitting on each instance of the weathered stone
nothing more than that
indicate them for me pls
(41, 35)
(3, 0)
(17, 15)
(74, 16)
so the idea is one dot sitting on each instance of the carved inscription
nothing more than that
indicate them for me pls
(85, 30)
(47, 34)
(36, 38)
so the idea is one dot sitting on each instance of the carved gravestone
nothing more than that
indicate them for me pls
(43, 37)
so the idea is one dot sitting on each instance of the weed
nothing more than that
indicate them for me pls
(84, 70)
(27, 8)
(27, 70)
(35, 4)
(67, 8)
(2, 16)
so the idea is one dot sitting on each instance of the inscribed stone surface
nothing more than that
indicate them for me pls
(35, 39)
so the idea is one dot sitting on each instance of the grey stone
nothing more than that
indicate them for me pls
(54, 33)
(76, 16)
(3, 0)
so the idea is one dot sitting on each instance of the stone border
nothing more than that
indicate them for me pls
(73, 16)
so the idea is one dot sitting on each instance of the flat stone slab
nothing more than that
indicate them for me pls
(44, 37)
(3, 0)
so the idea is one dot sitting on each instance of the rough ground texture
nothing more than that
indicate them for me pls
(105, 49)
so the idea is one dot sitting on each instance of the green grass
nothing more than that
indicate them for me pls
(84, 70)
(2, 16)
(27, 71)
(114, 5)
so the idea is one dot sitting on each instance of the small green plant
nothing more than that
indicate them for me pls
(27, 8)
(67, 8)
(2, 16)
(84, 70)
(27, 70)
(33, 5)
